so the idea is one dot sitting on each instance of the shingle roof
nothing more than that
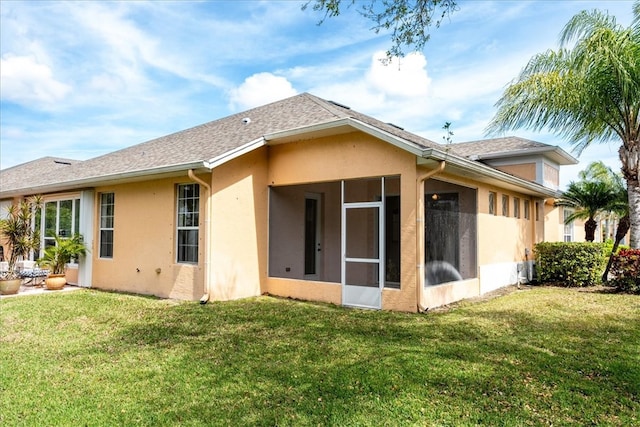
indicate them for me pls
(495, 146)
(511, 147)
(197, 144)
(14, 177)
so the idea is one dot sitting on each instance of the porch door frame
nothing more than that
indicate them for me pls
(317, 238)
(358, 295)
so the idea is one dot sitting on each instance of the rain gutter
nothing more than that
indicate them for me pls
(207, 237)
(490, 172)
(93, 181)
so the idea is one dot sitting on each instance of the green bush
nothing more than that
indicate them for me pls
(608, 247)
(626, 270)
(570, 263)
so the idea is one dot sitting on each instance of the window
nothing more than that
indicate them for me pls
(537, 211)
(107, 204)
(188, 219)
(505, 205)
(61, 218)
(493, 201)
(4, 208)
(568, 228)
(516, 207)
(527, 209)
(56, 218)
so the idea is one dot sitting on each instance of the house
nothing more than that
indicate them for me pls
(302, 198)
(533, 161)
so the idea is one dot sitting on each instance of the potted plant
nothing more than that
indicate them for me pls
(57, 257)
(19, 238)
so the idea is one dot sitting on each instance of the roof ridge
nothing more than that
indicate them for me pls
(327, 105)
(500, 138)
(59, 160)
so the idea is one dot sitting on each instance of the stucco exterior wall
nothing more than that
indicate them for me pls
(349, 156)
(554, 227)
(505, 243)
(524, 170)
(239, 226)
(144, 259)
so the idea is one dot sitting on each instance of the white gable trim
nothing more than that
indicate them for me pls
(236, 152)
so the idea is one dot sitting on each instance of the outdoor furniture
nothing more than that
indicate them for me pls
(31, 275)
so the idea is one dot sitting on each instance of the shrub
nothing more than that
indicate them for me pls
(608, 247)
(570, 263)
(626, 270)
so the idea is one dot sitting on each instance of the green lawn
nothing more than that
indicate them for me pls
(540, 356)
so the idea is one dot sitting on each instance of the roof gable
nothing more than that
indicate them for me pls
(510, 147)
(213, 143)
(199, 145)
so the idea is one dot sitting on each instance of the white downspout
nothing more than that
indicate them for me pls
(420, 230)
(207, 237)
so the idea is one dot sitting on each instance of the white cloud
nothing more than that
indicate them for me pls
(27, 82)
(404, 77)
(260, 89)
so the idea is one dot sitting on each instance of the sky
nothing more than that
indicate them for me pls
(81, 79)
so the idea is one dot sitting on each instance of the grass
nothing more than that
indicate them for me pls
(544, 356)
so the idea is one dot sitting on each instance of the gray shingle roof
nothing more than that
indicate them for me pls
(16, 176)
(495, 146)
(511, 146)
(197, 144)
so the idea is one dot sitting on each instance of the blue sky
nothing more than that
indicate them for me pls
(80, 79)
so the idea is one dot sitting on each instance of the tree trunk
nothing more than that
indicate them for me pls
(621, 231)
(590, 229)
(629, 154)
(633, 188)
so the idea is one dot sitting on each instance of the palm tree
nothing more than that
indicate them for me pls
(588, 92)
(619, 206)
(588, 199)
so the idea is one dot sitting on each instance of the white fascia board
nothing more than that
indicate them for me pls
(419, 151)
(554, 152)
(292, 134)
(489, 172)
(137, 175)
(386, 136)
(346, 122)
(236, 152)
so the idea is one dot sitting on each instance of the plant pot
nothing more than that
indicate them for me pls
(10, 287)
(55, 282)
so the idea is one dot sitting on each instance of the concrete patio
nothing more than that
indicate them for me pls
(39, 289)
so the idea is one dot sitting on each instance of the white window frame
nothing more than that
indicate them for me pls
(104, 218)
(75, 217)
(568, 228)
(183, 213)
(493, 203)
(505, 205)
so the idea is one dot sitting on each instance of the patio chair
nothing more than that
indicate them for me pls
(31, 274)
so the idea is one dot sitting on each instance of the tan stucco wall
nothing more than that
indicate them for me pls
(554, 227)
(144, 240)
(239, 227)
(353, 155)
(501, 238)
(523, 170)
